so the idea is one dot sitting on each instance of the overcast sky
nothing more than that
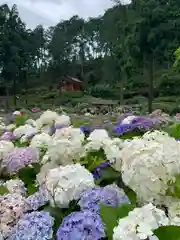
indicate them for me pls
(49, 12)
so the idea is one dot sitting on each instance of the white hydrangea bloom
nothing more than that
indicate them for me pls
(66, 183)
(41, 141)
(62, 120)
(140, 223)
(153, 237)
(173, 206)
(175, 221)
(112, 149)
(17, 113)
(96, 140)
(70, 133)
(93, 146)
(63, 151)
(16, 186)
(41, 176)
(29, 133)
(24, 130)
(31, 122)
(11, 127)
(2, 127)
(98, 135)
(5, 148)
(46, 129)
(47, 118)
(151, 161)
(128, 119)
(156, 135)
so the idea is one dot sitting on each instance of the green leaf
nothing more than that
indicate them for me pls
(168, 233)
(109, 175)
(124, 210)
(174, 131)
(28, 176)
(131, 195)
(174, 188)
(110, 216)
(3, 190)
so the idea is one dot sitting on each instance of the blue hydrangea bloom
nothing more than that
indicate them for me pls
(97, 172)
(37, 200)
(85, 129)
(92, 198)
(139, 123)
(33, 226)
(81, 226)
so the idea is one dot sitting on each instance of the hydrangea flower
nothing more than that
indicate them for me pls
(81, 225)
(12, 208)
(16, 186)
(149, 163)
(37, 200)
(33, 226)
(92, 198)
(10, 127)
(5, 148)
(140, 223)
(7, 136)
(19, 158)
(41, 141)
(98, 135)
(69, 133)
(64, 151)
(35, 110)
(47, 118)
(85, 129)
(97, 172)
(62, 121)
(66, 183)
(26, 130)
(134, 123)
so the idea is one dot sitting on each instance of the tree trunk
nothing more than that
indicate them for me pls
(150, 82)
(26, 87)
(7, 98)
(14, 92)
(122, 91)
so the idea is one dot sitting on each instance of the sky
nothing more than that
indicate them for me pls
(49, 12)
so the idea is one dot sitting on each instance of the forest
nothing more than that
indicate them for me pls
(129, 51)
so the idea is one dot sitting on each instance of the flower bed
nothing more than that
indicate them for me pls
(67, 183)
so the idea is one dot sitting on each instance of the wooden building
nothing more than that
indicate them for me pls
(70, 84)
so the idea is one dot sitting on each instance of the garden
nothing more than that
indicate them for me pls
(68, 179)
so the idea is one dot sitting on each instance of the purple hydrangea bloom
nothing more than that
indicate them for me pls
(52, 130)
(7, 136)
(60, 126)
(21, 157)
(97, 172)
(81, 225)
(92, 198)
(85, 129)
(141, 123)
(33, 226)
(37, 200)
(12, 118)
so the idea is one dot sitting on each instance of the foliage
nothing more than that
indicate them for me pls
(168, 233)
(126, 52)
(110, 216)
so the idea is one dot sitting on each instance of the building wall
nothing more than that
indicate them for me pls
(69, 87)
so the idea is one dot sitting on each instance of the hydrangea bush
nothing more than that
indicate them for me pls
(63, 182)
